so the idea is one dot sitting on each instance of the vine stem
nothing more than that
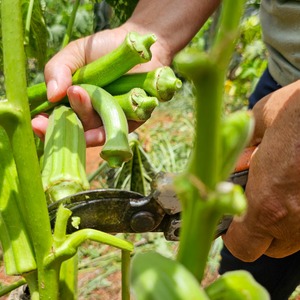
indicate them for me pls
(197, 186)
(22, 141)
(125, 275)
(28, 21)
(68, 34)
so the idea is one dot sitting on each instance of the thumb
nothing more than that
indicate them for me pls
(261, 121)
(58, 82)
(58, 71)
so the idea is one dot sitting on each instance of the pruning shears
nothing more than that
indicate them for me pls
(116, 210)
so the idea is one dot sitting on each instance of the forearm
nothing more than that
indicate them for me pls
(174, 22)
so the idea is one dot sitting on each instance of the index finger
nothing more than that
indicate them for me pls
(245, 242)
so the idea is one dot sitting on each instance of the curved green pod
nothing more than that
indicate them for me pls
(134, 50)
(161, 83)
(137, 105)
(116, 149)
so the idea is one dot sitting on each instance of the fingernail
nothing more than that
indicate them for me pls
(51, 89)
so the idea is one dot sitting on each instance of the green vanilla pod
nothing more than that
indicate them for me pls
(63, 171)
(161, 83)
(116, 149)
(137, 105)
(134, 50)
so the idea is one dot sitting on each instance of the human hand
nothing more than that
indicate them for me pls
(58, 76)
(271, 224)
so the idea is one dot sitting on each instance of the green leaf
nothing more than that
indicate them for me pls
(134, 174)
(154, 276)
(137, 183)
(236, 285)
(36, 47)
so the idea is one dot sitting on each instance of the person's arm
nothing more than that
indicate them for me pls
(174, 23)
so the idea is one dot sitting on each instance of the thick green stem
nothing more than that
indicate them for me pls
(69, 247)
(202, 218)
(68, 278)
(22, 139)
(32, 282)
(197, 187)
(208, 80)
(125, 275)
(224, 42)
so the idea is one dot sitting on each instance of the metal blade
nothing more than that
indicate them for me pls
(115, 210)
(111, 210)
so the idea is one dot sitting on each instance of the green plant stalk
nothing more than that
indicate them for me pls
(136, 105)
(134, 50)
(22, 140)
(7, 289)
(65, 253)
(68, 281)
(199, 214)
(28, 22)
(161, 83)
(224, 42)
(197, 186)
(116, 149)
(46, 106)
(68, 34)
(69, 248)
(69, 268)
(125, 268)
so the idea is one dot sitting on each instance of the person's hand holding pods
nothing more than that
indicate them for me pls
(271, 225)
(173, 22)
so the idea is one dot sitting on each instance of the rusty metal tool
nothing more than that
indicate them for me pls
(115, 210)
